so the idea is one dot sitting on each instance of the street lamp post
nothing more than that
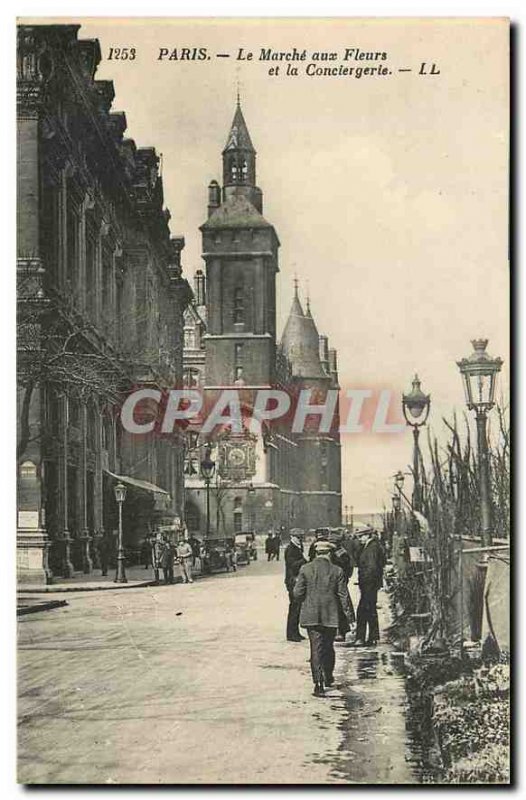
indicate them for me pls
(352, 519)
(251, 509)
(415, 406)
(120, 574)
(207, 471)
(479, 372)
(397, 503)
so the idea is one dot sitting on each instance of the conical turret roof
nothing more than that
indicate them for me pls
(300, 342)
(239, 137)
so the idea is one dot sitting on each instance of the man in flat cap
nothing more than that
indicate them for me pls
(321, 588)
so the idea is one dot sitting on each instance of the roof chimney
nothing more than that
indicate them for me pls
(333, 364)
(214, 197)
(199, 288)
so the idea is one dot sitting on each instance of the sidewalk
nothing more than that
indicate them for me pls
(137, 577)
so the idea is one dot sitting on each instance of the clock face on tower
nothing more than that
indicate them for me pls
(237, 456)
(237, 459)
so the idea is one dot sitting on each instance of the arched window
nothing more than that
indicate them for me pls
(239, 309)
(191, 377)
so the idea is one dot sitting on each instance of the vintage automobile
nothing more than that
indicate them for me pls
(216, 555)
(243, 548)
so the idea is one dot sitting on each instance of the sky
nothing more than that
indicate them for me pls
(388, 192)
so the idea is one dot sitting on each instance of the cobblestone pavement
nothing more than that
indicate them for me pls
(196, 684)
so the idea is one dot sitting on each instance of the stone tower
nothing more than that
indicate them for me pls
(314, 367)
(240, 250)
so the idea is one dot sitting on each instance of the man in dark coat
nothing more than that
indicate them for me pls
(294, 561)
(195, 544)
(269, 547)
(167, 560)
(146, 551)
(321, 587)
(371, 563)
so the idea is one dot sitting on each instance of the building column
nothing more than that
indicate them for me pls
(67, 566)
(85, 534)
(98, 493)
(32, 538)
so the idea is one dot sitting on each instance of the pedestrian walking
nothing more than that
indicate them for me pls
(341, 558)
(184, 556)
(371, 562)
(294, 560)
(320, 587)
(269, 547)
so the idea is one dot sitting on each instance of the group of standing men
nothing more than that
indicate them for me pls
(163, 554)
(319, 598)
(272, 546)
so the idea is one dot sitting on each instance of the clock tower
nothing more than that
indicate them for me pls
(240, 250)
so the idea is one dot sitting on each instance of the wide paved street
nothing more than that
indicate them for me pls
(196, 684)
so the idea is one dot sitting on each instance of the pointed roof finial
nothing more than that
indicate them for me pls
(239, 137)
(296, 285)
(238, 94)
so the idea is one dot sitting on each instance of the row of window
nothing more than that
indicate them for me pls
(247, 234)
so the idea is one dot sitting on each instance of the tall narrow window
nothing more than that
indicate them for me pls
(107, 287)
(238, 362)
(239, 309)
(72, 244)
(91, 272)
(238, 515)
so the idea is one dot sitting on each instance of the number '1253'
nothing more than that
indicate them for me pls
(122, 54)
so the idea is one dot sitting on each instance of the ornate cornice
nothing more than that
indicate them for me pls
(35, 67)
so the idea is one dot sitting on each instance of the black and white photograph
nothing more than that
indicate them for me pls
(263, 401)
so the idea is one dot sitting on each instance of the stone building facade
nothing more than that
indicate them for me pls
(101, 299)
(279, 479)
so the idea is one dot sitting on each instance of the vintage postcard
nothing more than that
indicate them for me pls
(263, 516)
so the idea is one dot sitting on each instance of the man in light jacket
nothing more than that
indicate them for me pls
(184, 557)
(321, 588)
